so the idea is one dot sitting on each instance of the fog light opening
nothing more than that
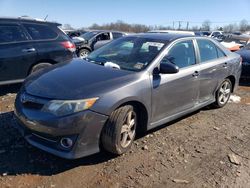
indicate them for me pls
(66, 143)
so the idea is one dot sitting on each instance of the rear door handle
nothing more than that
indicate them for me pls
(225, 65)
(28, 50)
(195, 74)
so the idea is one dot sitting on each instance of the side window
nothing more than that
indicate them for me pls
(103, 36)
(40, 32)
(117, 35)
(182, 54)
(208, 50)
(11, 33)
(220, 53)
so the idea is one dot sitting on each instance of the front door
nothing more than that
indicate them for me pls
(175, 93)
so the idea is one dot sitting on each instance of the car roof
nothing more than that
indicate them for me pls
(27, 19)
(101, 31)
(163, 36)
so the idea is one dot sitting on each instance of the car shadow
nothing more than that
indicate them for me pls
(14, 88)
(17, 157)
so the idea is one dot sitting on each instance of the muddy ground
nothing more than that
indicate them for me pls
(209, 148)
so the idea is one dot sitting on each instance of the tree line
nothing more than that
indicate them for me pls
(119, 25)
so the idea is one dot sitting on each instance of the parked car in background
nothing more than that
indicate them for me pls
(132, 84)
(27, 45)
(202, 33)
(215, 34)
(245, 54)
(93, 40)
(235, 42)
(74, 33)
(173, 31)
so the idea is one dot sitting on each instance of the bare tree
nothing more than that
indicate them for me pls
(243, 26)
(206, 25)
(230, 28)
(67, 27)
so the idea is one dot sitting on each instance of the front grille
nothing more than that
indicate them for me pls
(33, 105)
(32, 102)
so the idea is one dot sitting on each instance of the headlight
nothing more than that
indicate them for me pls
(62, 108)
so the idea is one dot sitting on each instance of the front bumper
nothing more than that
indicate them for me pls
(45, 131)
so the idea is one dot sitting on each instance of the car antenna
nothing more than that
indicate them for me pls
(46, 17)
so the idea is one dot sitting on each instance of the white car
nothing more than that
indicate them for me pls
(172, 31)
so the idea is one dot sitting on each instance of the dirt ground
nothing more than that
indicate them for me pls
(209, 148)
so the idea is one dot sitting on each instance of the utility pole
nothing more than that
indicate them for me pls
(173, 25)
(179, 25)
(187, 25)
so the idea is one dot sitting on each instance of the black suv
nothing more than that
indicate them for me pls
(27, 45)
(93, 40)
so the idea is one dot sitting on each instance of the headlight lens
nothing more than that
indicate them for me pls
(62, 108)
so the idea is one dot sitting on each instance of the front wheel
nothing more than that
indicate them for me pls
(223, 93)
(119, 132)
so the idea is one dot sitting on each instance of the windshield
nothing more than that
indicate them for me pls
(129, 53)
(88, 35)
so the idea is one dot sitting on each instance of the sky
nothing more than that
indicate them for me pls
(83, 13)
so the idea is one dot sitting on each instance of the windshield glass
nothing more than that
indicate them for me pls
(88, 35)
(129, 53)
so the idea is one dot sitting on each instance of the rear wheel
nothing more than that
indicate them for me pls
(39, 66)
(119, 132)
(83, 53)
(223, 94)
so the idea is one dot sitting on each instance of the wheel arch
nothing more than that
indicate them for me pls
(142, 113)
(52, 62)
(233, 81)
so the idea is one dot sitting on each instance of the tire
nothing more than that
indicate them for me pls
(83, 53)
(39, 66)
(117, 137)
(223, 94)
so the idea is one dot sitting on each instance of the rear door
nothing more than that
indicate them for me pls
(213, 68)
(47, 43)
(102, 39)
(175, 93)
(16, 53)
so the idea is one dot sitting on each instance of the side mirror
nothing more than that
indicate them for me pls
(168, 68)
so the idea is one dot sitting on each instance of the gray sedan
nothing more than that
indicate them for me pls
(132, 84)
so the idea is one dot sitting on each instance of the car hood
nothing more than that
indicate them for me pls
(78, 79)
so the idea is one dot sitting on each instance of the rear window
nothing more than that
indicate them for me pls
(40, 32)
(11, 33)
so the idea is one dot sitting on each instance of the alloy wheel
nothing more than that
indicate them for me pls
(128, 129)
(224, 92)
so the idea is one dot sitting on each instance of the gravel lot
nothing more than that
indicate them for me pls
(209, 148)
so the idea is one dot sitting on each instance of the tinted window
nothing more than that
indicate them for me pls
(117, 35)
(11, 33)
(103, 36)
(182, 54)
(208, 50)
(40, 32)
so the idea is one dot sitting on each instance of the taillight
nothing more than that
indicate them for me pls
(69, 46)
(241, 60)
